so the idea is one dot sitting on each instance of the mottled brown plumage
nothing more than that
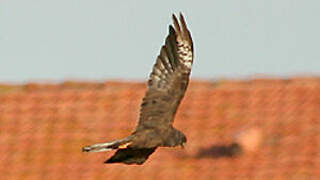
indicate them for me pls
(166, 87)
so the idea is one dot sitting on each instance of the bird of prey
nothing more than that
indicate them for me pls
(166, 87)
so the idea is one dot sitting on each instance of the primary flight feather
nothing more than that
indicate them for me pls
(167, 84)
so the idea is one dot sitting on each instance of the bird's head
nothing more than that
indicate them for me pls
(177, 138)
(183, 140)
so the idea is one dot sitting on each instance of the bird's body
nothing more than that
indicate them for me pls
(166, 87)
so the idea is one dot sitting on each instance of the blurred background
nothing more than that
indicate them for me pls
(73, 73)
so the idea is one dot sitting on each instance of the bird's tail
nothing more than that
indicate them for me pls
(109, 146)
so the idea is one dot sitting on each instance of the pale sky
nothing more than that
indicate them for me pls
(42, 40)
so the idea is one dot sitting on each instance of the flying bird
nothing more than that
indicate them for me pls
(166, 87)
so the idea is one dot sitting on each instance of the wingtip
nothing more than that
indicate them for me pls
(181, 14)
(109, 161)
(181, 17)
(171, 29)
(174, 16)
(176, 24)
(183, 22)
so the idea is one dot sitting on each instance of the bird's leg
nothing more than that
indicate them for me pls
(124, 146)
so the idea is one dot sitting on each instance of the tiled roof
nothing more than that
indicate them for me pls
(276, 123)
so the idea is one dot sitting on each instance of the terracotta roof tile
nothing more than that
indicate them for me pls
(275, 122)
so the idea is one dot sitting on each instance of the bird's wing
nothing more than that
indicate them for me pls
(131, 156)
(169, 78)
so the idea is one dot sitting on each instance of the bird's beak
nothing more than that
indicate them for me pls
(182, 145)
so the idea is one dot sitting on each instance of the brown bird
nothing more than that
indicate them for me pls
(166, 87)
